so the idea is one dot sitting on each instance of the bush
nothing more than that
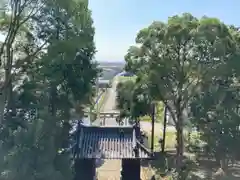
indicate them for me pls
(195, 143)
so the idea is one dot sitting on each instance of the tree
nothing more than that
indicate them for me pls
(54, 81)
(13, 24)
(215, 109)
(176, 57)
(215, 113)
(133, 57)
(132, 100)
(124, 97)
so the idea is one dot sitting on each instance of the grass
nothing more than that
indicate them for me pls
(124, 78)
(170, 141)
(148, 119)
(145, 118)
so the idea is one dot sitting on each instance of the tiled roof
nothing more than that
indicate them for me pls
(110, 143)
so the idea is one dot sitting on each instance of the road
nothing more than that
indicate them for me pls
(110, 104)
(110, 170)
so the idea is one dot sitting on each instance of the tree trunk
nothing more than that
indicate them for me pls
(2, 106)
(222, 161)
(10, 105)
(52, 101)
(180, 141)
(7, 91)
(220, 173)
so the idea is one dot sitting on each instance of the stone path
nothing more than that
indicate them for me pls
(110, 169)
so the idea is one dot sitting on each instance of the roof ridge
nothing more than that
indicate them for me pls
(143, 147)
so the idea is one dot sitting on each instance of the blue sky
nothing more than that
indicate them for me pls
(118, 21)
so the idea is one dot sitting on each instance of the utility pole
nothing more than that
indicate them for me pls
(97, 91)
(164, 129)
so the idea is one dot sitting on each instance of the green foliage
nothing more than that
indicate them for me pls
(126, 78)
(51, 53)
(215, 109)
(183, 61)
(215, 113)
(159, 114)
(132, 100)
(124, 97)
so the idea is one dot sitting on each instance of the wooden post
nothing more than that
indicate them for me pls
(77, 166)
(131, 169)
(85, 169)
(153, 120)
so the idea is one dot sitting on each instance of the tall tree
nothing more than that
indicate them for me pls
(52, 83)
(215, 109)
(176, 56)
(15, 18)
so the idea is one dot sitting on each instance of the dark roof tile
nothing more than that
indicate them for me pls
(110, 143)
